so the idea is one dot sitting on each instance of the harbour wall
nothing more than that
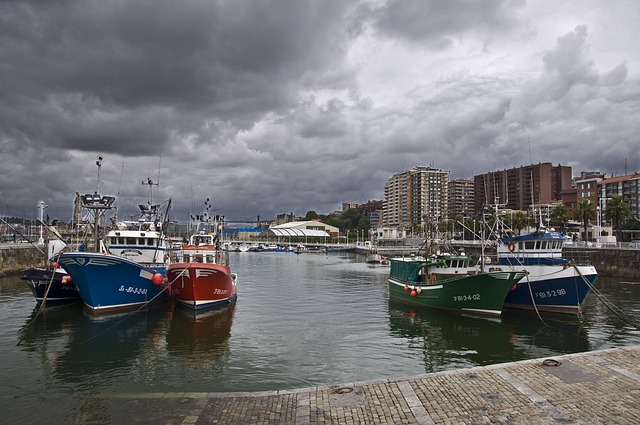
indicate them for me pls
(15, 257)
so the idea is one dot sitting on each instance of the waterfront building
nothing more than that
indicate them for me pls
(519, 188)
(373, 211)
(313, 228)
(460, 194)
(346, 206)
(587, 189)
(628, 187)
(415, 197)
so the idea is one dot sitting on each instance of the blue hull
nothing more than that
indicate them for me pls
(109, 283)
(559, 295)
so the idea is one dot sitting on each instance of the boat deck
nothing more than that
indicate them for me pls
(597, 387)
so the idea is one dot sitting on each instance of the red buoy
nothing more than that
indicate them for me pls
(413, 293)
(157, 279)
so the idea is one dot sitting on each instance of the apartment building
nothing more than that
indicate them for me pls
(519, 188)
(628, 187)
(460, 198)
(415, 196)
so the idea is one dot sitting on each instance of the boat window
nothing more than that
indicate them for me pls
(529, 245)
(150, 242)
(197, 259)
(210, 259)
(131, 241)
(520, 246)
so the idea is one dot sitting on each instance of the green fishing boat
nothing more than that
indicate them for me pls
(411, 281)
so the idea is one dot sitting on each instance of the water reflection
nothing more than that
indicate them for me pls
(450, 340)
(82, 349)
(200, 339)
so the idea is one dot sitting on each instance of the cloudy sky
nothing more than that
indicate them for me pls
(280, 106)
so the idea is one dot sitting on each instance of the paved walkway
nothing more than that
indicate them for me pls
(599, 387)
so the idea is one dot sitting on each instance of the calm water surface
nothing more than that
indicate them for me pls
(300, 321)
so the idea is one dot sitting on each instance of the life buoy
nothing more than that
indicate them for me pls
(511, 246)
(433, 279)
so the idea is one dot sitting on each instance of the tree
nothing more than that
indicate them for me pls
(617, 212)
(560, 216)
(584, 213)
(519, 221)
(311, 215)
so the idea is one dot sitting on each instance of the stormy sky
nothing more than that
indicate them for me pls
(278, 106)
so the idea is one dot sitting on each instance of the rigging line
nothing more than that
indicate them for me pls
(616, 310)
(42, 304)
(540, 316)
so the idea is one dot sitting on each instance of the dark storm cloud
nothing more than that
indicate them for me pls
(158, 60)
(273, 106)
(437, 23)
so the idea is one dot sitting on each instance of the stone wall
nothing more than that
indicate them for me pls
(16, 257)
(618, 262)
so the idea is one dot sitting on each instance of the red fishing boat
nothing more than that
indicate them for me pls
(200, 275)
(199, 272)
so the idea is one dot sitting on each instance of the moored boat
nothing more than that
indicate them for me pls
(199, 273)
(411, 281)
(129, 278)
(51, 284)
(375, 258)
(553, 283)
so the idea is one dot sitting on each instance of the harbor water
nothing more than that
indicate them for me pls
(299, 321)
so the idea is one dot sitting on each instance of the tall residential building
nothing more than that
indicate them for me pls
(460, 198)
(628, 187)
(373, 211)
(415, 196)
(587, 188)
(519, 188)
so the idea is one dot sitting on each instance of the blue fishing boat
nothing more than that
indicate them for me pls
(554, 284)
(108, 283)
(128, 271)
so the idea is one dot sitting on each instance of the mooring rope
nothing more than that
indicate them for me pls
(612, 307)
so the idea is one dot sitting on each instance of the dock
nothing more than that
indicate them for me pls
(596, 387)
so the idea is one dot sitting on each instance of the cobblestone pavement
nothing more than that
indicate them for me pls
(598, 387)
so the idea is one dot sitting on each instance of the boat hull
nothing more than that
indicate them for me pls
(556, 289)
(60, 290)
(108, 283)
(482, 293)
(200, 286)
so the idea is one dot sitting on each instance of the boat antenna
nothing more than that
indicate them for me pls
(150, 183)
(119, 185)
(99, 164)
